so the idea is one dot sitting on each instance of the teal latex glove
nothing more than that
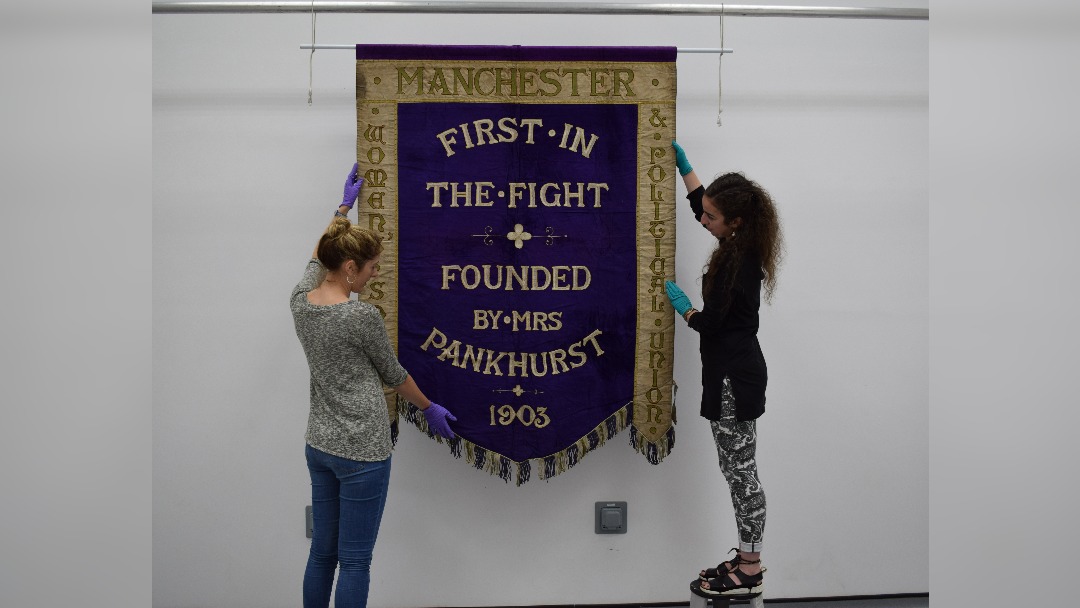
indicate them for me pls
(678, 298)
(680, 159)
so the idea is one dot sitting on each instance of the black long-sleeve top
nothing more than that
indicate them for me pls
(729, 343)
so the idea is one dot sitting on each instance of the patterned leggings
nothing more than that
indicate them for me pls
(736, 443)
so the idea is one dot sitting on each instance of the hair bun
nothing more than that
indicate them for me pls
(338, 228)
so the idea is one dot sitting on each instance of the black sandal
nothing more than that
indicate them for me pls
(748, 584)
(722, 568)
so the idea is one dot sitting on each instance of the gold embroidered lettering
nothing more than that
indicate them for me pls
(375, 178)
(523, 278)
(462, 195)
(374, 134)
(579, 139)
(549, 77)
(518, 361)
(464, 80)
(376, 288)
(488, 362)
(621, 80)
(598, 83)
(516, 82)
(438, 84)
(573, 73)
(480, 131)
(526, 415)
(436, 339)
(375, 200)
(405, 80)
(555, 194)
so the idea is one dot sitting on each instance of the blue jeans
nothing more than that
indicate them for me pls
(347, 500)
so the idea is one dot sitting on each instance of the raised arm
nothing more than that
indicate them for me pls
(353, 183)
(685, 170)
(694, 188)
(678, 298)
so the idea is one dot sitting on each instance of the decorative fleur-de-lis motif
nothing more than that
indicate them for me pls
(519, 236)
(486, 236)
(517, 390)
(551, 236)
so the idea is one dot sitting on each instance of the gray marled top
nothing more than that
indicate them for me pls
(350, 359)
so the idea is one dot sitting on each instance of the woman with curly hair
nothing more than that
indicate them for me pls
(742, 217)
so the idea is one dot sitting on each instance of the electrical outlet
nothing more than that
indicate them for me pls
(611, 517)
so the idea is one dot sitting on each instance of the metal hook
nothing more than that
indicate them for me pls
(719, 65)
(311, 57)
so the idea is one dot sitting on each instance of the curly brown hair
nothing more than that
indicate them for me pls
(758, 234)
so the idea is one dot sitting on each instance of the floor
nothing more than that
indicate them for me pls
(890, 602)
(901, 602)
(856, 602)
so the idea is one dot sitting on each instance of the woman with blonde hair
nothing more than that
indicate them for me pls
(350, 359)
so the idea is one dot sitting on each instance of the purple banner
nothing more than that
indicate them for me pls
(525, 200)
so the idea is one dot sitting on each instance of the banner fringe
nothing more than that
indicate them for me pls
(654, 452)
(548, 466)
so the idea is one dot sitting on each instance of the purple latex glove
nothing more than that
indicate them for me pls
(352, 187)
(437, 417)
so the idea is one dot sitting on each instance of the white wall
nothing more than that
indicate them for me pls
(830, 114)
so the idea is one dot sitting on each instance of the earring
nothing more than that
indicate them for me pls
(349, 279)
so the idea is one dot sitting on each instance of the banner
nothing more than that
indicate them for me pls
(525, 198)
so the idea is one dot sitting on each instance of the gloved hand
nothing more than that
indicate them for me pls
(680, 159)
(437, 417)
(352, 187)
(678, 298)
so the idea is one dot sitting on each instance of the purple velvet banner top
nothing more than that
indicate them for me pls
(525, 200)
(620, 54)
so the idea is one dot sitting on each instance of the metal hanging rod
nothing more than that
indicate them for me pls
(581, 8)
(352, 47)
